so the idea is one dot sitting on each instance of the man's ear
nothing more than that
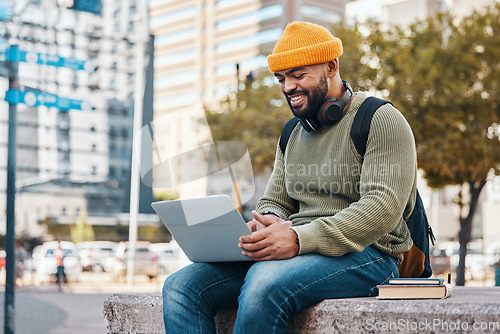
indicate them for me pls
(333, 67)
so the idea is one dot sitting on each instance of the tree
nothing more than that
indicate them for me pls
(443, 74)
(57, 231)
(82, 231)
(254, 115)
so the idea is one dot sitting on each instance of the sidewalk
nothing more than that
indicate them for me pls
(94, 283)
(78, 309)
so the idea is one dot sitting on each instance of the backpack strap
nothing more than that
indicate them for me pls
(286, 132)
(361, 124)
(359, 130)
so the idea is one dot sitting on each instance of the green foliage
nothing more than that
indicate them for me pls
(166, 195)
(355, 65)
(81, 231)
(254, 115)
(118, 232)
(444, 76)
(57, 231)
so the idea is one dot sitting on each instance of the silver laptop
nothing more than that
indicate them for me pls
(207, 228)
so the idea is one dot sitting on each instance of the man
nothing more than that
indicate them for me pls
(329, 224)
(59, 256)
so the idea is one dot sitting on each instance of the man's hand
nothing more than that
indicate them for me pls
(254, 225)
(271, 239)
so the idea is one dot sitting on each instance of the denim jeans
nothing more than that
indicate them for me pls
(268, 293)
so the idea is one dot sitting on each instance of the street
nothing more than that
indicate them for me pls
(78, 309)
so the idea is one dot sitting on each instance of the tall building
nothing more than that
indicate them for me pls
(71, 160)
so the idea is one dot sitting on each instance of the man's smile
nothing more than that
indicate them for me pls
(297, 99)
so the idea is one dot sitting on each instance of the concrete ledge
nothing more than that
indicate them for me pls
(468, 309)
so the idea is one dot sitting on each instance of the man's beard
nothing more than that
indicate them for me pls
(315, 99)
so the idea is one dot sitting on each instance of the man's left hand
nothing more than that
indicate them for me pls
(277, 241)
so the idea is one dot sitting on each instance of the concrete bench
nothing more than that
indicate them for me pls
(468, 309)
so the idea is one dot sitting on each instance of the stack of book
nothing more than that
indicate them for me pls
(414, 288)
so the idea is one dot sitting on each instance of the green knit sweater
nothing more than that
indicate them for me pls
(339, 203)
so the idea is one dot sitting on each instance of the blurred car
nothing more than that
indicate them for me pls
(3, 259)
(95, 254)
(475, 260)
(170, 257)
(36, 256)
(493, 253)
(20, 260)
(440, 261)
(21, 257)
(145, 261)
(46, 267)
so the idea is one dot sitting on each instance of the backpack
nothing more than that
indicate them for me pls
(416, 261)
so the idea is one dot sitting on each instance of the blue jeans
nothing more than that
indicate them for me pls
(268, 293)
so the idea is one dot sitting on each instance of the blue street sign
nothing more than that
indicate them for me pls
(15, 54)
(35, 99)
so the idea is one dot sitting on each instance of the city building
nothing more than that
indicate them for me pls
(71, 160)
(405, 12)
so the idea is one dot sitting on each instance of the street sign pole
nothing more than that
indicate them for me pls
(9, 309)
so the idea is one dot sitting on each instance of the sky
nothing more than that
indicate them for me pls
(370, 8)
(365, 8)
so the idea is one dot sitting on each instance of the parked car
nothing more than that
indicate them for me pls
(20, 260)
(3, 257)
(20, 263)
(46, 267)
(170, 257)
(440, 261)
(145, 261)
(95, 254)
(475, 260)
(493, 253)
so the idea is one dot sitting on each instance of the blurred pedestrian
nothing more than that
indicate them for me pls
(59, 256)
(21, 256)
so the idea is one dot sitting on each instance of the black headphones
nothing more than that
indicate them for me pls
(330, 112)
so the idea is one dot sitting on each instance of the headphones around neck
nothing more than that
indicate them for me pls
(330, 112)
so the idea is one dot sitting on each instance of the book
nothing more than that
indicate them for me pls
(416, 281)
(413, 291)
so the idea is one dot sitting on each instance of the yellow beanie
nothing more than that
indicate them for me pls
(301, 44)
